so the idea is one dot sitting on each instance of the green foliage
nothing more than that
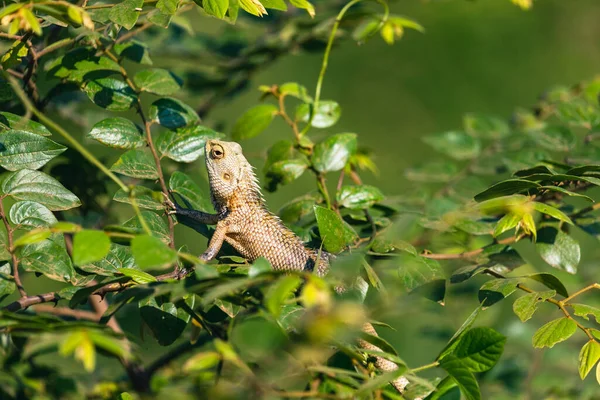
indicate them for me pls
(103, 233)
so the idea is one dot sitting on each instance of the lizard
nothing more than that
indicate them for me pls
(243, 221)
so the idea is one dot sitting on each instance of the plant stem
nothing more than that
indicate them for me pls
(579, 292)
(424, 367)
(11, 250)
(54, 126)
(557, 303)
(325, 62)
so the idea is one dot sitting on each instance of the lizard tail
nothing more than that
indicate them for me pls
(381, 363)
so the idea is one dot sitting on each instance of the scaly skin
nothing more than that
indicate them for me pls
(243, 221)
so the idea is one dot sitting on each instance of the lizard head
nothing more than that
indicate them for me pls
(228, 170)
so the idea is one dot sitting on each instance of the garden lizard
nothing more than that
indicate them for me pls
(243, 221)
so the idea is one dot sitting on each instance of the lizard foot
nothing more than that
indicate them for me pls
(171, 207)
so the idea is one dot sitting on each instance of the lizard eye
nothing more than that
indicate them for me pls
(226, 176)
(217, 152)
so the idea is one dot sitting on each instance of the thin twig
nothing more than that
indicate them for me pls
(28, 301)
(467, 254)
(11, 250)
(66, 312)
(579, 292)
(557, 303)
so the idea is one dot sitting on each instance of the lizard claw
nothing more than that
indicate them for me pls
(171, 208)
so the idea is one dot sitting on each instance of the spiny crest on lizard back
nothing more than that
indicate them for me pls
(229, 172)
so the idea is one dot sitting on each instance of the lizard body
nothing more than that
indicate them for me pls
(243, 221)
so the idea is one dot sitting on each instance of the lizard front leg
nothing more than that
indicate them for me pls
(197, 216)
(215, 242)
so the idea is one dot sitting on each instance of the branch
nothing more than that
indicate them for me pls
(11, 250)
(467, 254)
(66, 312)
(560, 304)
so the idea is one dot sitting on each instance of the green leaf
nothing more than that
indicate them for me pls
(254, 121)
(119, 257)
(359, 197)
(110, 93)
(505, 188)
(553, 332)
(485, 127)
(185, 144)
(166, 321)
(90, 246)
(155, 222)
(33, 236)
(218, 8)
(284, 172)
(279, 292)
(455, 144)
(334, 232)
(433, 172)
(125, 13)
(31, 20)
(159, 18)
(184, 186)
(561, 190)
(137, 276)
(558, 249)
(172, 113)
(583, 310)
(550, 281)
(133, 50)
(137, 163)
(275, 4)
(305, 5)
(495, 290)
(506, 223)
(327, 114)
(554, 138)
(253, 7)
(30, 215)
(452, 343)
(442, 388)
(480, 349)
(118, 132)
(7, 282)
(367, 28)
(260, 266)
(463, 377)
(47, 258)
(21, 149)
(36, 186)
(145, 198)
(526, 306)
(422, 275)
(157, 81)
(551, 211)
(203, 271)
(292, 88)
(17, 122)
(201, 362)
(588, 357)
(151, 252)
(298, 208)
(333, 153)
